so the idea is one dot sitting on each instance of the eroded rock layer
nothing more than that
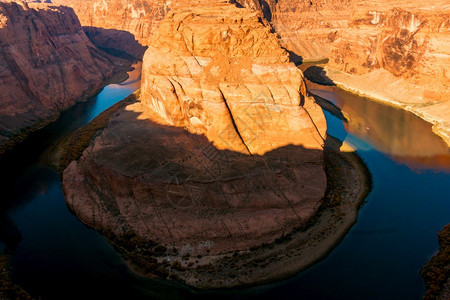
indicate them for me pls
(46, 64)
(139, 17)
(219, 71)
(396, 51)
(223, 152)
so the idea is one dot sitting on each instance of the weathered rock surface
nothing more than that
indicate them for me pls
(46, 64)
(223, 152)
(229, 79)
(139, 17)
(397, 51)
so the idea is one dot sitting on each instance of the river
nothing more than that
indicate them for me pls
(55, 256)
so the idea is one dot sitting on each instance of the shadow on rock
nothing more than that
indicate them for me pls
(118, 43)
(318, 75)
(173, 203)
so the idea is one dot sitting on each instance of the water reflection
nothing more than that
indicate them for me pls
(400, 134)
(55, 254)
(50, 247)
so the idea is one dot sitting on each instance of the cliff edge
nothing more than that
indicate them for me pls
(46, 64)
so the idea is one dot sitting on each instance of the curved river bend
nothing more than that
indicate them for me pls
(55, 256)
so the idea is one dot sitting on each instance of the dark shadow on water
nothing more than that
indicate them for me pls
(318, 75)
(295, 58)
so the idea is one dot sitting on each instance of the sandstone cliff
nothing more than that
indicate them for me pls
(396, 51)
(46, 64)
(230, 80)
(222, 154)
(139, 17)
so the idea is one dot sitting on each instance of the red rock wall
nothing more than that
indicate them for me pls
(46, 64)
(139, 17)
(395, 51)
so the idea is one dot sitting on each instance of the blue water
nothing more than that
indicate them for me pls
(395, 234)
(55, 256)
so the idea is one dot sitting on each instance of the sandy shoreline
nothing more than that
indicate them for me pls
(391, 91)
(349, 185)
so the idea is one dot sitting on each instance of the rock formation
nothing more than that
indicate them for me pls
(138, 17)
(222, 154)
(237, 87)
(395, 51)
(46, 64)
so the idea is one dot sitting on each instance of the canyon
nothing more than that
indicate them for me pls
(219, 155)
(392, 51)
(219, 172)
(43, 48)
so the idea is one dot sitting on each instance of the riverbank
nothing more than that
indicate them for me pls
(348, 185)
(8, 289)
(384, 87)
(7, 143)
(71, 148)
(436, 272)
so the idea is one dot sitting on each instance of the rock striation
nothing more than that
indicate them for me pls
(138, 17)
(395, 51)
(223, 153)
(230, 80)
(46, 64)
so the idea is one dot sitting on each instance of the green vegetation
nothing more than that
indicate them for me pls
(72, 147)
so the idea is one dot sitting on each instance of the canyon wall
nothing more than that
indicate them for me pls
(395, 51)
(233, 86)
(138, 17)
(222, 153)
(46, 64)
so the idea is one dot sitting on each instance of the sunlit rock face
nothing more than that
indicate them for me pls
(222, 153)
(217, 70)
(139, 17)
(407, 40)
(398, 51)
(46, 64)
(410, 42)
